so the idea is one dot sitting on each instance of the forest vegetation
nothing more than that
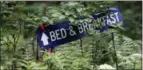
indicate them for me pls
(20, 51)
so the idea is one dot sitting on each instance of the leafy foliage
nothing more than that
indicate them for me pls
(19, 48)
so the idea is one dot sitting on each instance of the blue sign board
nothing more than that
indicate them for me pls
(111, 16)
(60, 33)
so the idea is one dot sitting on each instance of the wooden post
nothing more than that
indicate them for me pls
(116, 59)
(14, 65)
(37, 52)
(41, 27)
(81, 47)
